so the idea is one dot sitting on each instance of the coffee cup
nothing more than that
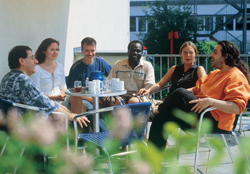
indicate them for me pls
(120, 86)
(114, 83)
(99, 85)
(92, 87)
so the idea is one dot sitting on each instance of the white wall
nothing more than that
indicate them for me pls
(28, 22)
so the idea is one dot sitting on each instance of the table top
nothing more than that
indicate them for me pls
(85, 93)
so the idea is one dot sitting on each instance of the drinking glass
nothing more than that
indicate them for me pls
(78, 86)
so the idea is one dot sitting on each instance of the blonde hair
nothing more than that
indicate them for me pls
(189, 43)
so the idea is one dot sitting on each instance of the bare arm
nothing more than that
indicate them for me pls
(165, 80)
(201, 72)
(225, 106)
(81, 120)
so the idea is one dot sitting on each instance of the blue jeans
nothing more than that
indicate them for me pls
(89, 106)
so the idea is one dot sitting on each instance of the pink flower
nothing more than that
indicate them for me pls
(121, 123)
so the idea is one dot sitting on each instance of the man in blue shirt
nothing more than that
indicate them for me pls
(18, 87)
(87, 64)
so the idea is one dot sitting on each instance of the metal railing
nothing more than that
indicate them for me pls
(163, 62)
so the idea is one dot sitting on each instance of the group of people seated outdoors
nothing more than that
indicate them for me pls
(40, 81)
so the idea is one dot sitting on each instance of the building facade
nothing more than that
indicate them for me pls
(209, 15)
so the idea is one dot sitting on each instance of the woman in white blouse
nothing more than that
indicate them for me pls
(50, 77)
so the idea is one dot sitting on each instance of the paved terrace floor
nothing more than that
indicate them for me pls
(187, 159)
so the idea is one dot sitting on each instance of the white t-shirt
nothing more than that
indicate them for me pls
(50, 84)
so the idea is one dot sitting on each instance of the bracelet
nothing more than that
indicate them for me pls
(213, 103)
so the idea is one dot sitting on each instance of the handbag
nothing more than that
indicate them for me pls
(147, 98)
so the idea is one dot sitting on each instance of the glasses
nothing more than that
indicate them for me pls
(191, 52)
(57, 50)
(32, 57)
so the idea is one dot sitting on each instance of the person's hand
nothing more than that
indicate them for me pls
(156, 109)
(201, 104)
(143, 91)
(61, 97)
(82, 121)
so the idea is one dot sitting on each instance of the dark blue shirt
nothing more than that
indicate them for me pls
(79, 68)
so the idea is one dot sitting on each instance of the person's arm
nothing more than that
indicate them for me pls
(201, 72)
(112, 72)
(225, 106)
(81, 120)
(71, 79)
(59, 97)
(149, 75)
(106, 67)
(165, 80)
(191, 90)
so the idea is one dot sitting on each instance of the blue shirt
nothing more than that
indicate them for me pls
(16, 86)
(79, 68)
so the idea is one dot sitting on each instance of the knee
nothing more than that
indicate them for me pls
(74, 99)
(133, 100)
(180, 91)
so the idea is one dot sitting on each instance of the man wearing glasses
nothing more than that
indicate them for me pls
(17, 86)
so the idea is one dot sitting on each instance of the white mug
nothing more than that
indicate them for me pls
(92, 87)
(99, 85)
(120, 86)
(114, 83)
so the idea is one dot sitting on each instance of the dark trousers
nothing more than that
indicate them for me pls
(179, 99)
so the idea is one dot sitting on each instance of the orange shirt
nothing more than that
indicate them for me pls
(230, 85)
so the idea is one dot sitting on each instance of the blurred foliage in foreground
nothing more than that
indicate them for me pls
(37, 135)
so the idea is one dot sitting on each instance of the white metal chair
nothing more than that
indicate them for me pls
(246, 112)
(5, 105)
(231, 133)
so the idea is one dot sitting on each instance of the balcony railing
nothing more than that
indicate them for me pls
(163, 62)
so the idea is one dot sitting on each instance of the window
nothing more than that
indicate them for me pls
(219, 21)
(239, 23)
(229, 26)
(142, 23)
(132, 23)
(208, 23)
(189, 21)
(200, 23)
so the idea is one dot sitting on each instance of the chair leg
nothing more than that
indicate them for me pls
(45, 160)
(144, 142)
(208, 145)
(196, 154)
(240, 123)
(178, 144)
(109, 161)
(243, 154)
(4, 146)
(19, 160)
(228, 149)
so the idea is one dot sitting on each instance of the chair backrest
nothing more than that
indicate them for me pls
(5, 105)
(137, 110)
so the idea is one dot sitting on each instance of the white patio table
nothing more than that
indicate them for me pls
(85, 93)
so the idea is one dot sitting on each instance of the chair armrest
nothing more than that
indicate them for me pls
(25, 106)
(202, 115)
(89, 113)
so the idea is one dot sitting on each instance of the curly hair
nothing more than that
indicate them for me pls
(233, 59)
